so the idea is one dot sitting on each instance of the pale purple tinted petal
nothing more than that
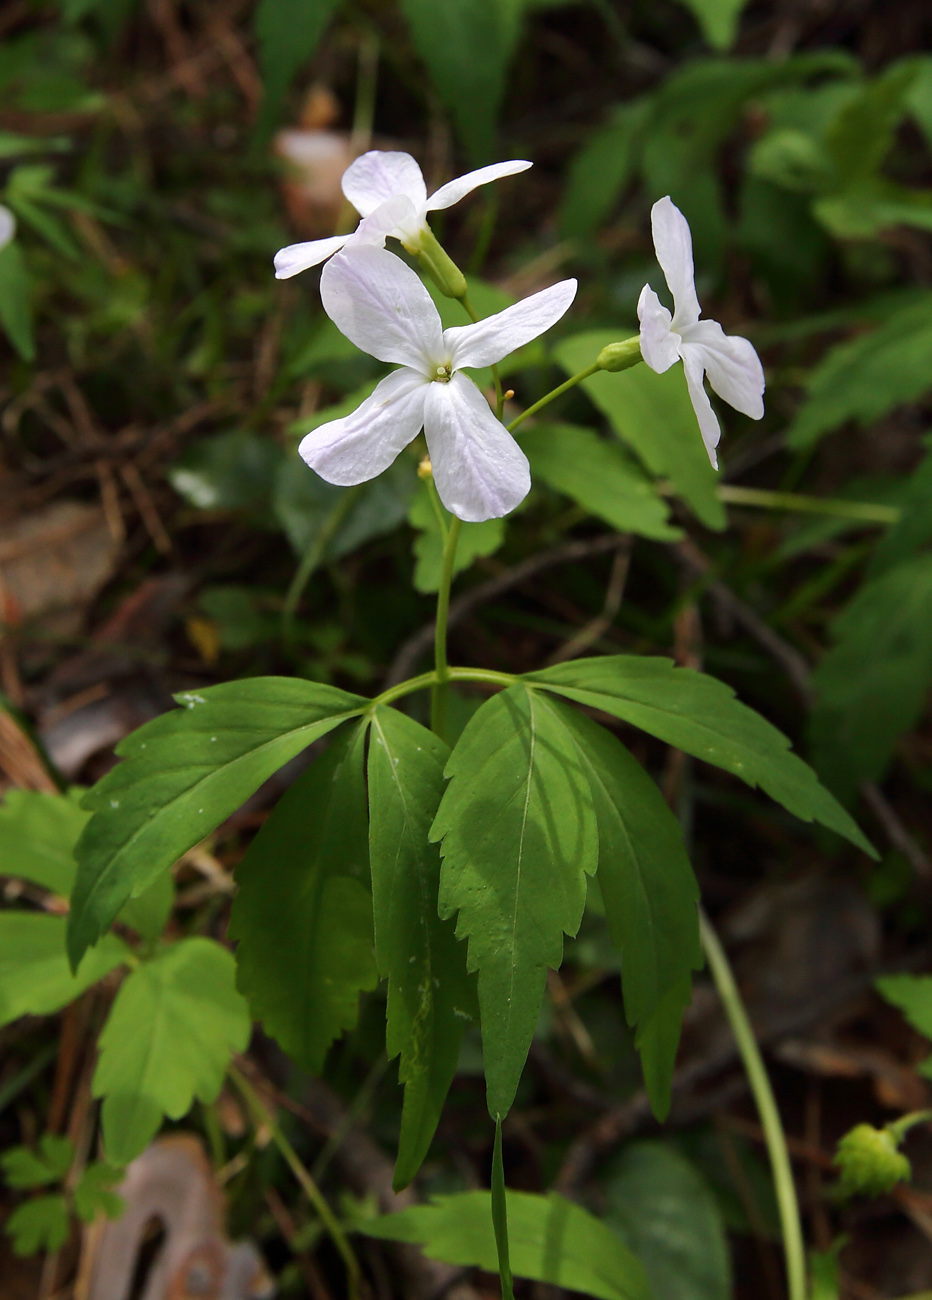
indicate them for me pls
(384, 221)
(382, 174)
(491, 339)
(674, 247)
(733, 367)
(708, 423)
(7, 225)
(455, 190)
(660, 347)
(299, 257)
(361, 445)
(382, 307)
(480, 471)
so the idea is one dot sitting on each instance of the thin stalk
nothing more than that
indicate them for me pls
(790, 1225)
(440, 689)
(312, 558)
(864, 511)
(500, 1214)
(554, 392)
(489, 676)
(439, 512)
(313, 1193)
(499, 393)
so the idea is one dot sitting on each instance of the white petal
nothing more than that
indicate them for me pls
(708, 423)
(7, 225)
(480, 471)
(674, 247)
(361, 445)
(491, 339)
(453, 191)
(382, 307)
(382, 174)
(395, 216)
(733, 367)
(299, 257)
(660, 347)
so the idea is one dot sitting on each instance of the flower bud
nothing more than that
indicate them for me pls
(620, 356)
(869, 1161)
(439, 265)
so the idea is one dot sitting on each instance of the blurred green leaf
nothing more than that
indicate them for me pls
(914, 527)
(40, 1224)
(237, 616)
(287, 33)
(92, 1195)
(38, 832)
(229, 471)
(35, 977)
(601, 169)
(718, 20)
(475, 540)
(168, 1040)
(304, 505)
(16, 301)
(23, 1167)
(551, 1240)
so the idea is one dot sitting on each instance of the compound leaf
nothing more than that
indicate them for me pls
(38, 832)
(40, 1224)
(35, 977)
(23, 1167)
(303, 912)
(168, 1040)
(184, 773)
(475, 539)
(519, 837)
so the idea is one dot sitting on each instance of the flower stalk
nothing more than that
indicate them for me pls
(440, 689)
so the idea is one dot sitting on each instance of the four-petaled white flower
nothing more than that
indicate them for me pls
(372, 182)
(381, 305)
(733, 367)
(7, 225)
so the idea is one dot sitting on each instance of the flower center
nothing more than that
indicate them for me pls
(443, 374)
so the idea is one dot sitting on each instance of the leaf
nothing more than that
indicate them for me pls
(601, 170)
(869, 375)
(913, 995)
(16, 301)
(550, 1239)
(302, 915)
(35, 977)
(664, 1210)
(649, 893)
(467, 46)
(305, 506)
(718, 20)
(519, 838)
(38, 832)
(914, 526)
(653, 414)
(168, 1040)
(429, 994)
(23, 1167)
(701, 716)
(871, 686)
(184, 773)
(40, 1224)
(863, 132)
(92, 1195)
(287, 32)
(149, 911)
(600, 476)
(228, 471)
(475, 540)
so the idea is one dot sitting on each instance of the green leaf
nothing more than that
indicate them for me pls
(519, 838)
(38, 832)
(869, 375)
(429, 995)
(184, 773)
(149, 911)
(871, 686)
(862, 134)
(229, 471)
(913, 995)
(16, 301)
(35, 977)
(551, 1240)
(467, 46)
(475, 540)
(287, 32)
(40, 1224)
(168, 1040)
(914, 526)
(701, 716)
(305, 506)
(666, 1213)
(649, 893)
(718, 20)
(601, 477)
(653, 414)
(302, 915)
(23, 1167)
(92, 1195)
(601, 170)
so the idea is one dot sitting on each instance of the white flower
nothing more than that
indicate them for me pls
(372, 181)
(733, 367)
(381, 305)
(7, 225)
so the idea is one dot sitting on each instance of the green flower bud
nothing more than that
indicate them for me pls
(439, 265)
(869, 1161)
(620, 356)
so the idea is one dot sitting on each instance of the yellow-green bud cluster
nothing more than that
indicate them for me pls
(870, 1162)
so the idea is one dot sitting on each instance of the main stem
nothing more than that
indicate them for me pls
(781, 1170)
(440, 688)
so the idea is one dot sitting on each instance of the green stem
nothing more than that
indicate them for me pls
(863, 511)
(438, 696)
(439, 512)
(500, 1214)
(900, 1127)
(555, 392)
(499, 393)
(488, 676)
(781, 1170)
(312, 558)
(313, 1193)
